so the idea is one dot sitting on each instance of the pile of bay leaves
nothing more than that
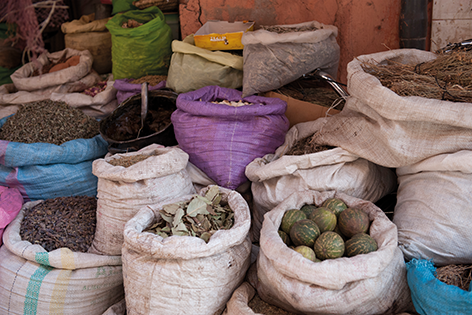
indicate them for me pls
(201, 216)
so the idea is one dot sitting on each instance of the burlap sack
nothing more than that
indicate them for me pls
(391, 130)
(34, 281)
(373, 283)
(433, 209)
(183, 274)
(122, 191)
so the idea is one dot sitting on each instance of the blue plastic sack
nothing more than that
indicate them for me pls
(221, 140)
(45, 171)
(431, 296)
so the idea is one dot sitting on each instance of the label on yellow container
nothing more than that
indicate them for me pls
(222, 35)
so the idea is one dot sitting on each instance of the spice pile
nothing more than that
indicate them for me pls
(286, 29)
(448, 77)
(151, 79)
(232, 103)
(307, 145)
(97, 88)
(61, 222)
(50, 122)
(131, 24)
(127, 161)
(201, 216)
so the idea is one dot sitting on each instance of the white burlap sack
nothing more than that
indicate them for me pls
(272, 59)
(99, 106)
(34, 281)
(373, 283)
(275, 176)
(391, 130)
(24, 81)
(11, 98)
(433, 209)
(183, 274)
(122, 191)
(238, 304)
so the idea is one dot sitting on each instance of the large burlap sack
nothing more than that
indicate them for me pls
(122, 191)
(24, 81)
(272, 60)
(90, 34)
(391, 130)
(99, 106)
(275, 176)
(373, 283)
(183, 274)
(35, 281)
(192, 67)
(433, 209)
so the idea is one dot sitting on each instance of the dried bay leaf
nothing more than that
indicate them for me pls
(196, 206)
(178, 217)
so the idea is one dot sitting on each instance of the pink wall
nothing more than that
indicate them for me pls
(364, 27)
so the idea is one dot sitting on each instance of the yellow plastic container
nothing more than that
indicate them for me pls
(222, 35)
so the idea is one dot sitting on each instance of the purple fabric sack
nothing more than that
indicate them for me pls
(126, 89)
(221, 140)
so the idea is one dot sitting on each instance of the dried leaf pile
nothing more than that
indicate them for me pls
(287, 29)
(61, 222)
(127, 161)
(50, 122)
(458, 275)
(448, 77)
(307, 145)
(201, 216)
(151, 79)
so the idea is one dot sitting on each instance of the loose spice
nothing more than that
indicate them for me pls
(151, 79)
(288, 29)
(127, 161)
(50, 122)
(307, 145)
(61, 222)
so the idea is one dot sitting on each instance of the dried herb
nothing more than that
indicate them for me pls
(448, 77)
(50, 122)
(127, 161)
(151, 79)
(259, 306)
(458, 275)
(307, 145)
(45, 69)
(201, 216)
(61, 222)
(288, 29)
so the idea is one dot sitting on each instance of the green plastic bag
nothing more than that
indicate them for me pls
(140, 51)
